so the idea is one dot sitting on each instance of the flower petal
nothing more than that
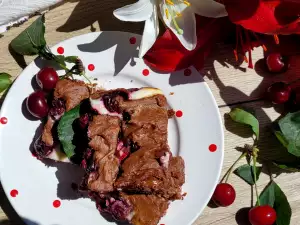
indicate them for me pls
(137, 12)
(151, 31)
(208, 8)
(186, 22)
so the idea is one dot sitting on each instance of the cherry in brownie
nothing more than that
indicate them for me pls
(67, 95)
(152, 170)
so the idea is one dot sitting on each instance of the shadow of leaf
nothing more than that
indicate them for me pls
(87, 12)
(241, 216)
(178, 77)
(124, 53)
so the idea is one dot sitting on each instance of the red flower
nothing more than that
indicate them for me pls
(169, 55)
(265, 16)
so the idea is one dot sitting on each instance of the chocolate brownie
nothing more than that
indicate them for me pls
(72, 91)
(152, 170)
(147, 209)
(130, 170)
(103, 132)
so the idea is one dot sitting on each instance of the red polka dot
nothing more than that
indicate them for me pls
(56, 204)
(132, 40)
(212, 148)
(14, 193)
(91, 67)
(179, 113)
(60, 50)
(146, 72)
(3, 120)
(187, 72)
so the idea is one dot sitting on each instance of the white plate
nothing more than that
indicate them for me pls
(32, 186)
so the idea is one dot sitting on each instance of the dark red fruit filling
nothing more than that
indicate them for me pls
(57, 109)
(111, 102)
(122, 151)
(133, 146)
(133, 89)
(84, 121)
(41, 150)
(126, 117)
(87, 162)
(119, 209)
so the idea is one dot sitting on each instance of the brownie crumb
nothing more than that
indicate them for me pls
(171, 113)
(172, 93)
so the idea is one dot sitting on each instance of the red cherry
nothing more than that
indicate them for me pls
(262, 215)
(279, 92)
(47, 78)
(276, 63)
(37, 105)
(224, 195)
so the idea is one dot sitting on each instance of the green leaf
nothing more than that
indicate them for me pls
(274, 196)
(32, 39)
(5, 81)
(61, 59)
(290, 128)
(246, 173)
(241, 116)
(71, 59)
(66, 132)
(281, 138)
(290, 167)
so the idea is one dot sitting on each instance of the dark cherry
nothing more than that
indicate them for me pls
(262, 215)
(111, 102)
(276, 63)
(279, 92)
(224, 195)
(47, 78)
(37, 105)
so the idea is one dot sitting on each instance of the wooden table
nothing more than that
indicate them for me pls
(231, 85)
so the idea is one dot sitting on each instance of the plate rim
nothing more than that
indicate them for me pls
(221, 148)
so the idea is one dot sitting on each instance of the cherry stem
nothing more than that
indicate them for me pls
(229, 171)
(254, 173)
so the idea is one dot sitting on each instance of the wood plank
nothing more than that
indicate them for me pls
(270, 149)
(229, 85)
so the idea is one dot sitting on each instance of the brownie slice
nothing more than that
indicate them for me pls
(147, 209)
(72, 92)
(67, 94)
(152, 170)
(138, 209)
(103, 132)
(47, 136)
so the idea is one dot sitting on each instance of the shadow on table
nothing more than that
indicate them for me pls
(87, 12)
(255, 105)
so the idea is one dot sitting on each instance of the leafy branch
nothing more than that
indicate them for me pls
(272, 195)
(32, 42)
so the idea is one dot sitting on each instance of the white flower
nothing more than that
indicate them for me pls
(178, 15)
